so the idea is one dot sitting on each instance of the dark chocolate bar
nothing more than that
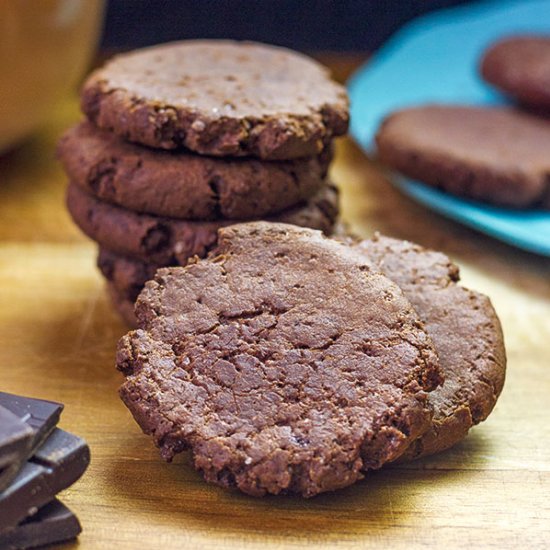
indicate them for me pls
(15, 444)
(39, 415)
(53, 523)
(56, 465)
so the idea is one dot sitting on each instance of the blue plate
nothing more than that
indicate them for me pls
(435, 59)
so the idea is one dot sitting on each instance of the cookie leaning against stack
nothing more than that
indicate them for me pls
(141, 185)
(288, 362)
(465, 331)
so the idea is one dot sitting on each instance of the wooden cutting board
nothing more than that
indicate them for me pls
(57, 341)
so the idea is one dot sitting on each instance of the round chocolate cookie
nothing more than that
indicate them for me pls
(497, 155)
(123, 306)
(169, 241)
(126, 275)
(184, 185)
(462, 324)
(465, 331)
(283, 361)
(220, 98)
(520, 67)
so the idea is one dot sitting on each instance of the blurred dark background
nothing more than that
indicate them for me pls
(309, 25)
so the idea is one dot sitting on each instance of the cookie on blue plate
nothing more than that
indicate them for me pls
(496, 155)
(519, 66)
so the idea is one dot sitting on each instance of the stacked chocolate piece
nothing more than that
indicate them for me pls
(37, 461)
(185, 138)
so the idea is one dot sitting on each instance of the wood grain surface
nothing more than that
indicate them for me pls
(57, 341)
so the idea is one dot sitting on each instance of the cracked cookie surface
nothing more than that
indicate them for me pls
(218, 97)
(181, 184)
(283, 361)
(169, 241)
(466, 333)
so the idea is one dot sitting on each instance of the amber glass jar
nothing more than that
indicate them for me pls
(45, 46)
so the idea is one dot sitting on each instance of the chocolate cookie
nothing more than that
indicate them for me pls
(169, 241)
(497, 155)
(129, 275)
(220, 98)
(465, 331)
(123, 306)
(283, 361)
(126, 275)
(184, 185)
(520, 67)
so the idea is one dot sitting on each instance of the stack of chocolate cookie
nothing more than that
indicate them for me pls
(37, 461)
(184, 138)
